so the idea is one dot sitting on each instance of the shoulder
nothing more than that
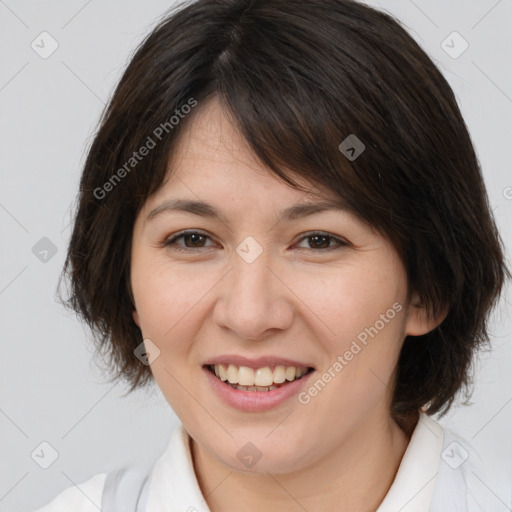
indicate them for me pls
(462, 482)
(83, 497)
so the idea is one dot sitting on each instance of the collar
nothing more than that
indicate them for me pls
(174, 486)
(413, 486)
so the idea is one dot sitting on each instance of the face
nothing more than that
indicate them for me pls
(321, 292)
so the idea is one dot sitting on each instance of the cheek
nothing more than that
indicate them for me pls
(168, 303)
(345, 301)
(359, 314)
(166, 297)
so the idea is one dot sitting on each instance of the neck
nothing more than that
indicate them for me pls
(355, 476)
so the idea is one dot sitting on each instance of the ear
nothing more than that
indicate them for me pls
(136, 318)
(418, 322)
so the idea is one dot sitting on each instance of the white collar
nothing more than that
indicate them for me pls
(412, 489)
(174, 486)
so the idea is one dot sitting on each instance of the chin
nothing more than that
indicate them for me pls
(257, 452)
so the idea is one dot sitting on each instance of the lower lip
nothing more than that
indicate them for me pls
(255, 401)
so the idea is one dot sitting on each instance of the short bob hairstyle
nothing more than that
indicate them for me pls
(297, 78)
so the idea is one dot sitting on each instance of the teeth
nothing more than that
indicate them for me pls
(291, 372)
(253, 388)
(259, 378)
(263, 376)
(246, 376)
(279, 374)
(232, 374)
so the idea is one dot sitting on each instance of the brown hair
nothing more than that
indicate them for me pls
(298, 78)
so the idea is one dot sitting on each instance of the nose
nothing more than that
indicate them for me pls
(254, 302)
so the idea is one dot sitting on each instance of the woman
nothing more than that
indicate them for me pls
(283, 223)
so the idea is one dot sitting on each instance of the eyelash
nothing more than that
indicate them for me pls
(170, 241)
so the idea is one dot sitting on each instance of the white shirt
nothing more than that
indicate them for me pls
(439, 472)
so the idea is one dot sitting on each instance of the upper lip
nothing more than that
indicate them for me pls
(255, 362)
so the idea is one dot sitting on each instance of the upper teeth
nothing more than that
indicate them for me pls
(265, 376)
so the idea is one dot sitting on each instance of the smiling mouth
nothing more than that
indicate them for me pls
(267, 378)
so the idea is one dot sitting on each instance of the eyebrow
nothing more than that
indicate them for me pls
(207, 210)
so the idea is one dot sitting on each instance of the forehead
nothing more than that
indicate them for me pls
(210, 129)
(210, 157)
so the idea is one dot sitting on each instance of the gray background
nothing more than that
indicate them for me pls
(50, 389)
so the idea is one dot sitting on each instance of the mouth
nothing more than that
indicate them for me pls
(264, 379)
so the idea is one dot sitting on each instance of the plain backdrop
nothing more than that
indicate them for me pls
(50, 389)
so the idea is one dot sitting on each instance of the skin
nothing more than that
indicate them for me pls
(299, 299)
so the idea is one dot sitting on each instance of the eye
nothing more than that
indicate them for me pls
(196, 240)
(319, 240)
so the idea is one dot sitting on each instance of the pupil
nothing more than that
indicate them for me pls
(194, 237)
(315, 239)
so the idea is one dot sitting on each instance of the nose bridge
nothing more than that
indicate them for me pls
(250, 281)
(251, 276)
(252, 299)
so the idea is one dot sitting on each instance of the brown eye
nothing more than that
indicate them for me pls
(192, 240)
(322, 241)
